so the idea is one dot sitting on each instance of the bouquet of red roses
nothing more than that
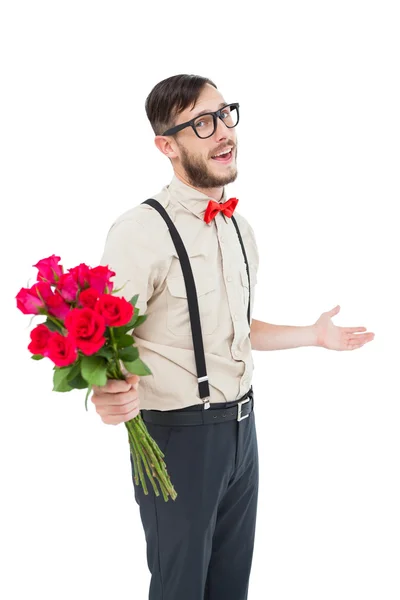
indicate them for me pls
(85, 335)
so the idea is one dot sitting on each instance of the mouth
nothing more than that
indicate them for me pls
(224, 158)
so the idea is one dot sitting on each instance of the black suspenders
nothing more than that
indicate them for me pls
(202, 378)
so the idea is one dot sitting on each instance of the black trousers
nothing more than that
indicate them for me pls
(200, 546)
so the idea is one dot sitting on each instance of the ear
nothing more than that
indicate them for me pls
(165, 144)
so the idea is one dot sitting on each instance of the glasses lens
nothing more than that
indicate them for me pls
(204, 125)
(230, 116)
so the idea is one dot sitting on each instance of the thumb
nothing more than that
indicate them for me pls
(334, 311)
(133, 379)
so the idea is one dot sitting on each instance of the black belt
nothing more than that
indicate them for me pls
(238, 411)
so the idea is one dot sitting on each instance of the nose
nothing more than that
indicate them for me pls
(221, 130)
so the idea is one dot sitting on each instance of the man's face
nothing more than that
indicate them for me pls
(194, 155)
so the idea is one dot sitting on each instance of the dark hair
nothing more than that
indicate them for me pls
(172, 96)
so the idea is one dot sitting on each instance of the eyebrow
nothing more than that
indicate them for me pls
(203, 112)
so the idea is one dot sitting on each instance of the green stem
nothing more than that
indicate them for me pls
(154, 444)
(115, 348)
(149, 474)
(144, 438)
(155, 462)
(141, 474)
(56, 321)
(137, 448)
(146, 466)
(143, 447)
(112, 337)
(152, 448)
(135, 467)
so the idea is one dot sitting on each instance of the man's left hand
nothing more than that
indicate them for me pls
(332, 337)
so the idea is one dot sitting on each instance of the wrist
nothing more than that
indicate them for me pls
(314, 339)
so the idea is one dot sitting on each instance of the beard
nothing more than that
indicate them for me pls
(200, 175)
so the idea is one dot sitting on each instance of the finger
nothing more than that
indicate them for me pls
(117, 419)
(356, 346)
(133, 380)
(124, 409)
(365, 337)
(355, 329)
(357, 342)
(351, 344)
(119, 399)
(334, 311)
(112, 386)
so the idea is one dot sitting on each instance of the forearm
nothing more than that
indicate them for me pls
(267, 336)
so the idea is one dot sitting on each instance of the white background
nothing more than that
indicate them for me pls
(318, 85)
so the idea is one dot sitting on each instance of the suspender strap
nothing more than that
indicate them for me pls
(202, 377)
(245, 260)
(194, 313)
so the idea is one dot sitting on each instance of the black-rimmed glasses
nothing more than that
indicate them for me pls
(204, 125)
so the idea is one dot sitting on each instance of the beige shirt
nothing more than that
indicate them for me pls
(139, 248)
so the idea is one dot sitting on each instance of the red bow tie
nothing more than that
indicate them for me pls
(213, 208)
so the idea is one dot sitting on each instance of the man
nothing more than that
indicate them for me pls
(199, 546)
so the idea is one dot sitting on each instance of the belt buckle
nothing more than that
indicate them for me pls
(239, 417)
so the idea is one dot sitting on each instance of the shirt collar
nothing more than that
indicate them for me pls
(191, 199)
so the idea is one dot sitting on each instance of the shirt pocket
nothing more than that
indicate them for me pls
(178, 319)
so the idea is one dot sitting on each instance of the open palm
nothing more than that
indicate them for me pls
(332, 337)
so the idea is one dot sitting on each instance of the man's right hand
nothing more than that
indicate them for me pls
(118, 400)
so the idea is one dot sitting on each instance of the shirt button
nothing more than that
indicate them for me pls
(221, 239)
(229, 278)
(235, 316)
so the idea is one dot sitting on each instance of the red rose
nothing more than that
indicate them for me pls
(87, 328)
(29, 300)
(116, 311)
(49, 269)
(81, 275)
(68, 287)
(57, 306)
(89, 297)
(99, 278)
(61, 349)
(40, 337)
